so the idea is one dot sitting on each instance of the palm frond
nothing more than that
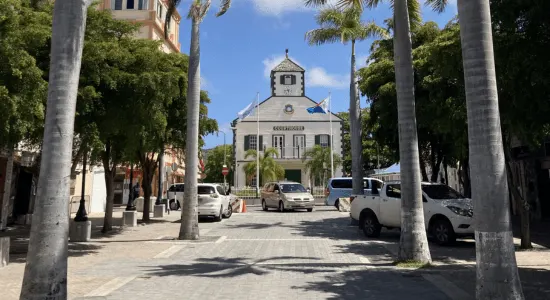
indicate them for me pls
(323, 36)
(194, 10)
(172, 6)
(358, 4)
(204, 9)
(271, 152)
(224, 7)
(331, 17)
(370, 29)
(315, 3)
(250, 153)
(437, 5)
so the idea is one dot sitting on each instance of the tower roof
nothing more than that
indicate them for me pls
(287, 65)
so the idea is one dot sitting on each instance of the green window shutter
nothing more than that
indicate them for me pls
(293, 79)
(246, 142)
(282, 78)
(261, 144)
(317, 139)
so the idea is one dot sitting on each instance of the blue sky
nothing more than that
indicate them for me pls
(239, 49)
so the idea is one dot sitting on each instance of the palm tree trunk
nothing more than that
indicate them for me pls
(497, 273)
(413, 244)
(355, 129)
(189, 229)
(7, 190)
(46, 269)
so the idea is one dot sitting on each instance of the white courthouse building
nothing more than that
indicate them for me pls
(285, 125)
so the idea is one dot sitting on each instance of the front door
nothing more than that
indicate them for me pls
(390, 206)
(293, 175)
(279, 144)
(299, 146)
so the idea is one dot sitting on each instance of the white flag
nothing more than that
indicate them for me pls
(247, 110)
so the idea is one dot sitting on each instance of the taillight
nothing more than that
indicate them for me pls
(327, 192)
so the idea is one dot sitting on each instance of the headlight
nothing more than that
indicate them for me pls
(461, 211)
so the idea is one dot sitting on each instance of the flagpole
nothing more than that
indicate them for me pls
(258, 144)
(331, 139)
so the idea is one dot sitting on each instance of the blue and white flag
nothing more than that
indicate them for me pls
(247, 110)
(320, 108)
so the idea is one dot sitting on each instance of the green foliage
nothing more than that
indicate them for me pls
(22, 88)
(270, 170)
(342, 25)
(374, 155)
(439, 94)
(318, 162)
(214, 164)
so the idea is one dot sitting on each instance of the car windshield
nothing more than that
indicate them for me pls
(206, 190)
(293, 188)
(441, 192)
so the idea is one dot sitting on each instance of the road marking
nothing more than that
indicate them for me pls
(221, 239)
(259, 239)
(110, 286)
(169, 252)
(447, 287)
(364, 260)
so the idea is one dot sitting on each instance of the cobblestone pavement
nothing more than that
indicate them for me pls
(268, 255)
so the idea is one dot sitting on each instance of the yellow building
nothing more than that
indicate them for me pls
(151, 14)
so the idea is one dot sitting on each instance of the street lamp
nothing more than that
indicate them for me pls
(224, 156)
(81, 214)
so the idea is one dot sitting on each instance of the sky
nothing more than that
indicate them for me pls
(239, 49)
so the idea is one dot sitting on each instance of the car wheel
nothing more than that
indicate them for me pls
(370, 226)
(219, 217)
(337, 204)
(443, 232)
(174, 205)
(310, 209)
(281, 206)
(229, 212)
(264, 206)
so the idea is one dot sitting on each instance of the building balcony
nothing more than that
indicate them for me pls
(287, 153)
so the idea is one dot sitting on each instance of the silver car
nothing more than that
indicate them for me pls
(284, 195)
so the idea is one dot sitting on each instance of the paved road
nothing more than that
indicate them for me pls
(265, 255)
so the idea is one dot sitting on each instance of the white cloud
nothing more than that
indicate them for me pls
(280, 7)
(362, 61)
(319, 77)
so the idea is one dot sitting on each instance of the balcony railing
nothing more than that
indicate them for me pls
(289, 152)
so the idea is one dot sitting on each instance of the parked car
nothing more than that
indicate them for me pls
(284, 195)
(447, 214)
(341, 187)
(213, 200)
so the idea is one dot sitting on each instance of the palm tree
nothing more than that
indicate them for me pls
(317, 158)
(346, 26)
(497, 273)
(189, 229)
(45, 274)
(269, 168)
(413, 244)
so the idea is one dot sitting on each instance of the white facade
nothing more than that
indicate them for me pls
(286, 125)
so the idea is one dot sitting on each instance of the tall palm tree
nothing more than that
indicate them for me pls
(316, 159)
(346, 26)
(189, 229)
(497, 273)
(269, 168)
(45, 274)
(413, 244)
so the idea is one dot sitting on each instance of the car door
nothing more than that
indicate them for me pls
(275, 195)
(390, 206)
(223, 196)
(366, 186)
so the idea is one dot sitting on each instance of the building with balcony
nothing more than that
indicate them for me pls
(151, 15)
(285, 125)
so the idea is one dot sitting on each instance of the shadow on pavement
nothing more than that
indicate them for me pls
(220, 267)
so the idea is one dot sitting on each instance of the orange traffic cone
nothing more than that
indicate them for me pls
(244, 206)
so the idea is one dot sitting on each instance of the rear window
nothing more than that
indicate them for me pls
(341, 184)
(206, 190)
(441, 192)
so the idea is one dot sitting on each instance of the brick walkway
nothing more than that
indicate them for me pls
(268, 255)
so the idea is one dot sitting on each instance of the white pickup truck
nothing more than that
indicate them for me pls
(447, 213)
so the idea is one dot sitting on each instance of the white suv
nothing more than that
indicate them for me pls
(447, 214)
(213, 200)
